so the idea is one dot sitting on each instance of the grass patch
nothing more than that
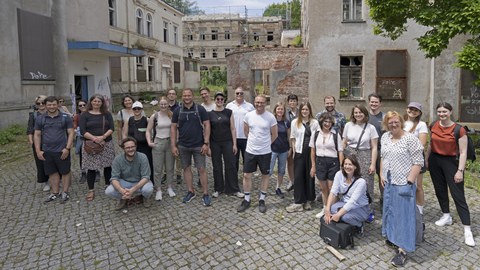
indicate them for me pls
(8, 135)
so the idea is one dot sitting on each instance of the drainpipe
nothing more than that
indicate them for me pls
(60, 48)
(128, 46)
(432, 89)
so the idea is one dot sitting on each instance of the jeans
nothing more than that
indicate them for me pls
(146, 190)
(282, 162)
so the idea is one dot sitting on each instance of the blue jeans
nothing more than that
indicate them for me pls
(146, 190)
(282, 162)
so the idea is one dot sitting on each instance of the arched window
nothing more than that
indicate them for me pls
(149, 25)
(139, 15)
(112, 14)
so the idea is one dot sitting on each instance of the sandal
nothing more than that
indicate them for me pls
(90, 195)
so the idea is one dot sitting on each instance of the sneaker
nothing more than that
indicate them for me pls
(469, 239)
(189, 197)
(279, 193)
(307, 206)
(65, 197)
(97, 176)
(158, 195)
(207, 201)
(147, 202)
(295, 207)
(83, 178)
(215, 194)
(261, 206)
(371, 217)
(52, 197)
(46, 187)
(121, 204)
(399, 259)
(319, 215)
(444, 220)
(243, 206)
(171, 193)
(239, 194)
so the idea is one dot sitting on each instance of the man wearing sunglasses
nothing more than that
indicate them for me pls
(240, 108)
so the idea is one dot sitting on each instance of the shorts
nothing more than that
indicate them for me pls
(53, 163)
(251, 161)
(186, 154)
(326, 168)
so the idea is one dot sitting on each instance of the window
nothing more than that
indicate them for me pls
(165, 31)
(190, 36)
(187, 65)
(149, 25)
(214, 53)
(256, 36)
(139, 62)
(214, 34)
(227, 34)
(139, 16)
(351, 76)
(202, 34)
(141, 73)
(190, 52)
(176, 72)
(352, 10)
(270, 36)
(112, 17)
(151, 69)
(175, 35)
(202, 53)
(115, 69)
(227, 51)
(391, 75)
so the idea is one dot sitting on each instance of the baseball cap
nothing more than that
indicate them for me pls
(137, 104)
(415, 105)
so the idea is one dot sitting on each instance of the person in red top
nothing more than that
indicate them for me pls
(446, 170)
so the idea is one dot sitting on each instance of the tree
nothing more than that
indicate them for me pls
(187, 7)
(281, 10)
(445, 19)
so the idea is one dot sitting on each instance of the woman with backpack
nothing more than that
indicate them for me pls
(446, 163)
(326, 155)
(158, 138)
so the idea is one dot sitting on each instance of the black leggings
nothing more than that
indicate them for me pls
(91, 174)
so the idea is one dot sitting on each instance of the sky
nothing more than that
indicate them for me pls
(254, 7)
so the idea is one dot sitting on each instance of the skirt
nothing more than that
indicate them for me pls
(101, 160)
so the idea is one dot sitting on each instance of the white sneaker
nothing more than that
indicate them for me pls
(215, 194)
(46, 187)
(171, 193)
(469, 239)
(239, 194)
(319, 215)
(444, 220)
(158, 196)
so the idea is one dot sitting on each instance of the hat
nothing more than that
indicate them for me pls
(219, 94)
(415, 105)
(137, 104)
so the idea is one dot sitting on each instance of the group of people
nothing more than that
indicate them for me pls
(340, 157)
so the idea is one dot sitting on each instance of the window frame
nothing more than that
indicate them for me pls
(175, 35)
(112, 12)
(354, 82)
(165, 31)
(351, 11)
(139, 21)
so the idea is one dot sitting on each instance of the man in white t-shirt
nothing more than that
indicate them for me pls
(240, 108)
(260, 127)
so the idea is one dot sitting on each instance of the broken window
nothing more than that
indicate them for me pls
(270, 36)
(202, 53)
(214, 53)
(351, 76)
(227, 34)
(227, 51)
(214, 34)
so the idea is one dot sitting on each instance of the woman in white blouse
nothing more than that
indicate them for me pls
(420, 130)
(401, 161)
(326, 155)
(360, 139)
(302, 128)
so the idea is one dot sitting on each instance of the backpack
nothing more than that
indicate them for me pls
(335, 140)
(470, 146)
(195, 112)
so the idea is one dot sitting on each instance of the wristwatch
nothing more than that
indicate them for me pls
(206, 143)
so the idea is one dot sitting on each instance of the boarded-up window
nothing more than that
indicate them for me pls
(469, 98)
(115, 69)
(392, 74)
(35, 46)
(176, 72)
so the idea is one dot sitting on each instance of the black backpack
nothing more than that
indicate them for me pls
(470, 146)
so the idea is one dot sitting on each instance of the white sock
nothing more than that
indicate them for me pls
(467, 228)
(263, 194)
(420, 208)
(247, 196)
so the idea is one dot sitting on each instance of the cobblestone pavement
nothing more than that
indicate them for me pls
(173, 235)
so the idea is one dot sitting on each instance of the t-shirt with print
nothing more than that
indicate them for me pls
(353, 131)
(259, 133)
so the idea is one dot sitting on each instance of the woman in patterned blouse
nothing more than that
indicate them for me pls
(401, 161)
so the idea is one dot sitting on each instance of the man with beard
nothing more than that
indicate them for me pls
(340, 120)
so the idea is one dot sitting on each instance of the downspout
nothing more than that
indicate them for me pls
(432, 90)
(128, 46)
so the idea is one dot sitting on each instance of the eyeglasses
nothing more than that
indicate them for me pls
(219, 99)
(61, 101)
(393, 123)
(82, 105)
(137, 109)
(239, 93)
(40, 103)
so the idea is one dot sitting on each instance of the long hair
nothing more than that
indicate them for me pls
(354, 160)
(363, 110)
(300, 116)
(280, 104)
(103, 108)
(169, 113)
(415, 121)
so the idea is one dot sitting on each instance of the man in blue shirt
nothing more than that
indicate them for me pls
(53, 139)
(130, 173)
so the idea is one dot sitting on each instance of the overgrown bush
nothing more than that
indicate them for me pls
(8, 135)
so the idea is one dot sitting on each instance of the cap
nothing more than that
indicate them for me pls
(219, 94)
(415, 105)
(137, 104)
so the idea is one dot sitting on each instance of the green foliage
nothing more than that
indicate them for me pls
(281, 10)
(187, 7)
(297, 41)
(8, 135)
(214, 77)
(444, 20)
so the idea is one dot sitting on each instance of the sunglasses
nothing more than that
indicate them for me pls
(239, 93)
(220, 99)
(40, 103)
(82, 105)
(137, 109)
(61, 101)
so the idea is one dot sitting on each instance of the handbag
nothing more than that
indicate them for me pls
(92, 147)
(337, 234)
